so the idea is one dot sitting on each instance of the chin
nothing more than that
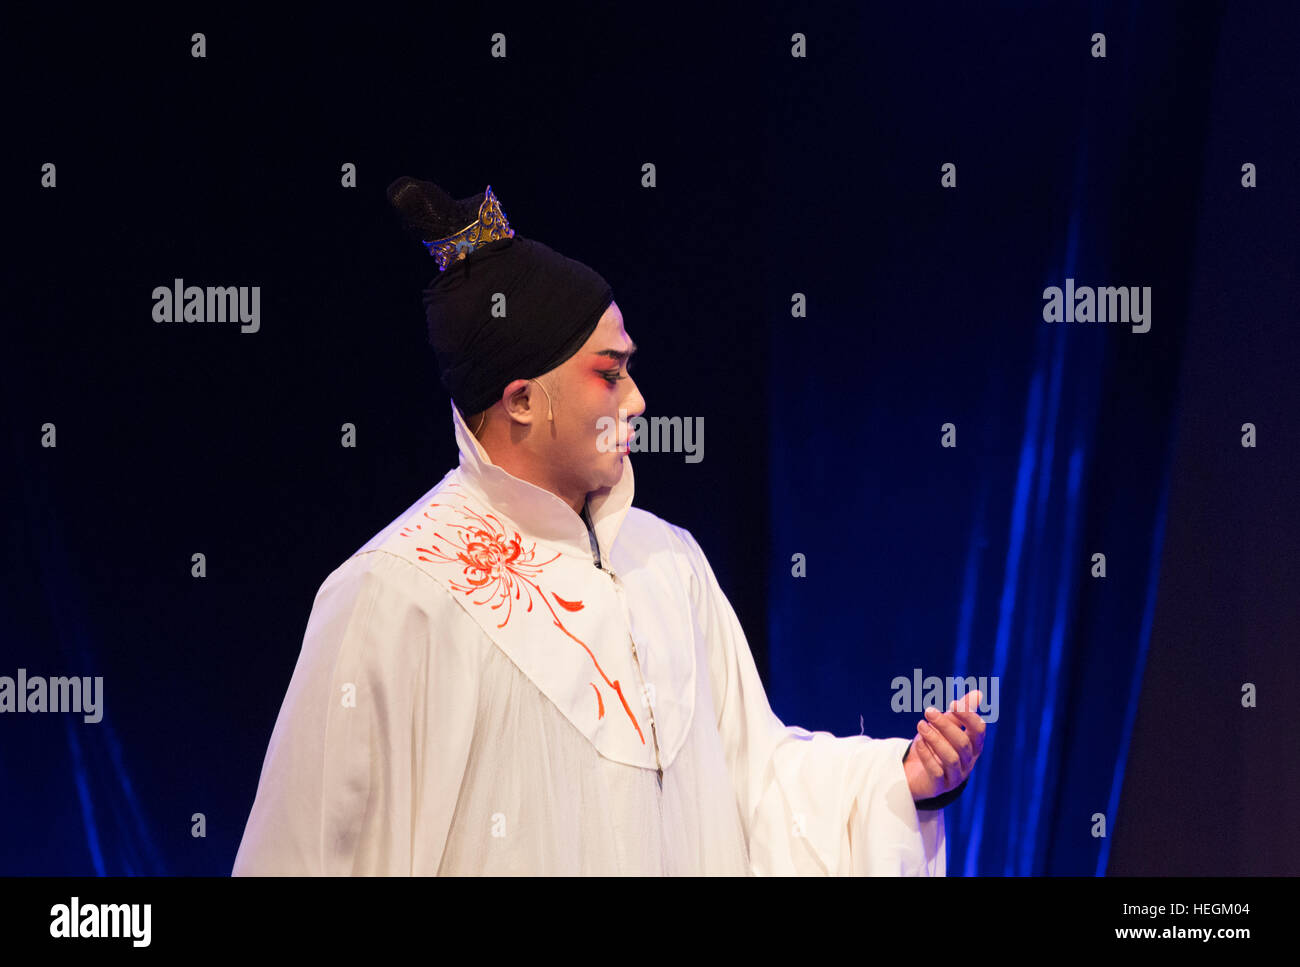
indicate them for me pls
(613, 474)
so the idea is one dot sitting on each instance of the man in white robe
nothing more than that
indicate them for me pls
(525, 674)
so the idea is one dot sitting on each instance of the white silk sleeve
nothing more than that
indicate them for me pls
(371, 742)
(810, 802)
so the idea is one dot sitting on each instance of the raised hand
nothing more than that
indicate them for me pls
(945, 748)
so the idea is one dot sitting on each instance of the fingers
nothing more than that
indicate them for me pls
(966, 712)
(933, 767)
(950, 730)
(942, 750)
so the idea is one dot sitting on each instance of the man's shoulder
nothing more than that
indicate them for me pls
(388, 537)
(651, 532)
(388, 560)
(377, 569)
(643, 523)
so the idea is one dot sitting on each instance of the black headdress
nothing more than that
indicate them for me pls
(502, 307)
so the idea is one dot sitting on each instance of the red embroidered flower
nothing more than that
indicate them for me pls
(495, 562)
(486, 554)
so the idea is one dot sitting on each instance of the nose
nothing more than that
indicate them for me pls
(635, 402)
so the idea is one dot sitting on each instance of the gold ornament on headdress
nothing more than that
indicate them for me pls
(490, 226)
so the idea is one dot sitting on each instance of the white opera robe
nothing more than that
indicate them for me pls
(475, 696)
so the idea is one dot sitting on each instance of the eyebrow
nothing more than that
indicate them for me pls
(618, 355)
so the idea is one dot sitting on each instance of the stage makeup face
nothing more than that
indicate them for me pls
(564, 454)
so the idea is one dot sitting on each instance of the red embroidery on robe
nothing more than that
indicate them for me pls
(496, 563)
(567, 605)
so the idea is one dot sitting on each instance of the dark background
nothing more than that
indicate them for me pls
(1118, 696)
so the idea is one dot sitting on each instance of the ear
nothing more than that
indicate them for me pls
(517, 398)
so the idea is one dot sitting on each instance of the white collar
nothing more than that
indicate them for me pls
(539, 513)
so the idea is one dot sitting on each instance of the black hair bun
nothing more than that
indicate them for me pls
(428, 212)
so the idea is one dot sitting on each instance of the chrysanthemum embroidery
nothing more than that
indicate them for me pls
(497, 570)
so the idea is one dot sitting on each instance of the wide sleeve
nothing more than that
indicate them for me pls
(811, 802)
(369, 750)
